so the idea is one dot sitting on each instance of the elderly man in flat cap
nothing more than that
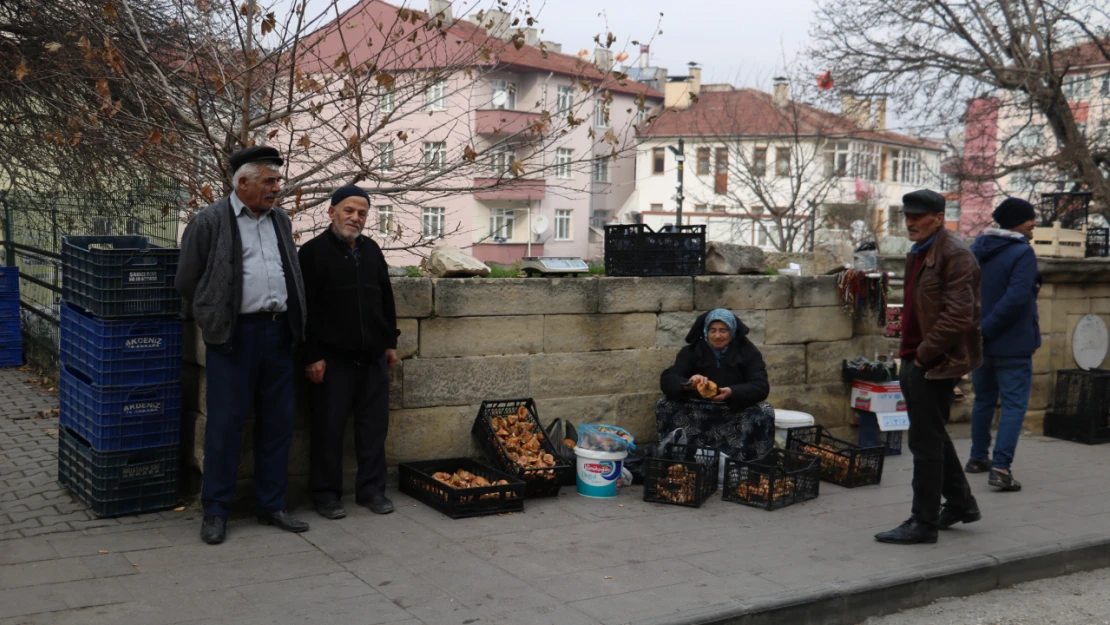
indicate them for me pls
(350, 346)
(940, 344)
(241, 280)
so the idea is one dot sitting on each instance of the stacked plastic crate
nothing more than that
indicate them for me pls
(11, 342)
(120, 379)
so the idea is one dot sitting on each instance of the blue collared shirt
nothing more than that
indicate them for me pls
(920, 248)
(263, 275)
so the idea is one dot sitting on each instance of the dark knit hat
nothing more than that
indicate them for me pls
(347, 191)
(259, 153)
(923, 201)
(1013, 212)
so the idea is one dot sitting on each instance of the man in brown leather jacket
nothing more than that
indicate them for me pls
(941, 343)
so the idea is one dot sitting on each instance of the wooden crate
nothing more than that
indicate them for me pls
(1057, 242)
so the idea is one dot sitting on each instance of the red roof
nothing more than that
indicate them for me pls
(748, 112)
(1084, 55)
(367, 26)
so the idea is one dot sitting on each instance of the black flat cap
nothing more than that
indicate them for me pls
(259, 153)
(923, 201)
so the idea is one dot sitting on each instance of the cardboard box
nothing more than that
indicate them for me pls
(878, 397)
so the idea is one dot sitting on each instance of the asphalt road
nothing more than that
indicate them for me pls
(1080, 599)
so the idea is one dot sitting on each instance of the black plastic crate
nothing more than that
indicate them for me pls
(886, 373)
(1098, 242)
(118, 482)
(119, 276)
(541, 482)
(120, 418)
(779, 479)
(683, 475)
(637, 250)
(871, 436)
(1076, 429)
(1083, 394)
(417, 482)
(842, 463)
(121, 352)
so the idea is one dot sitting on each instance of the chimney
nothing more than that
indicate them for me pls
(645, 57)
(880, 113)
(531, 36)
(857, 110)
(440, 8)
(551, 46)
(695, 80)
(495, 22)
(782, 92)
(603, 58)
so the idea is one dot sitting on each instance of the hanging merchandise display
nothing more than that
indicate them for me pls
(863, 291)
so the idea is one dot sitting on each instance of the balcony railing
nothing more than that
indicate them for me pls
(512, 189)
(504, 122)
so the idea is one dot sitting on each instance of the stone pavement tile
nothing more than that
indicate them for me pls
(600, 582)
(41, 531)
(534, 518)
(673, 600)
(109, 565)
(337, 543)
(229, 574)
(92, 592)
(218, 605)
(400, 585)
(886, 517)
(135, 540)
(21, 602)
(43, 572)
(1046, 515)
(394, 535)
(445, 611)
(1087, 506)
(288, 595)
(112, 614)
(26, 550)
(368, 610)
(196, 553)
(533, 608)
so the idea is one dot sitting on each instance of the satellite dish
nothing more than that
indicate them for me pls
(1089, 342)
(540, 223)
(500, 98)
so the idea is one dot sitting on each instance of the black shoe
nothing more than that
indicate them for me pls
(213, 529)
(951, 515)
(909, 533)
(378, 504)
(283, 520)
(1004, 481)
(977, 466)
(332, 510)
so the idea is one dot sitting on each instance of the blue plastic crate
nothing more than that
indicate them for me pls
(11, 356)
(121, 352)
(122, 417)
(9, 282)
(117, 483)
(119, 276)
(9, 309)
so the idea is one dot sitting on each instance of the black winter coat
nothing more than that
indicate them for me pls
(741, 368)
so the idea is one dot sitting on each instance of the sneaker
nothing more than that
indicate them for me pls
(1004, 481)
(977, 466)
(951, 515)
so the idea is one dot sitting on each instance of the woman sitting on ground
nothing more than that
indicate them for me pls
(716, 390)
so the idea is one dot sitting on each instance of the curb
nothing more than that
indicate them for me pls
(852, 602)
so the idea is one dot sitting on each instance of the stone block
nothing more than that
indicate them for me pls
(408, 344)
(194, 388)
(742, 292)
(867, 325)
(1034, 422)
(1100, 306)
(786, 364)
(1044, 314)
(192, 424)
(624, 295)
(421, 434)
(1040, 396)
(194, 350)
(810, 292)
(824, 361)
(451, 262)
(598, 373)
(592, 333)
(671, 328)
(413, 297)
(808, 325)
(578, 410)
(1042, 358)
(512, 296)
(1065, 313)
(452, 337)
(828, 403)
(1082, 291)
(1048, 291)
(464, 381)
(636, 413)
(730, 259)
(397, 386)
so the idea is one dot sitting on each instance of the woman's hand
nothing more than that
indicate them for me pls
(695, 380)
(724, 395)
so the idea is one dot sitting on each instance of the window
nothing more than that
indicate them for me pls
(501, 160)
(657, 160)
(436, 96)
(1105, 90)
(759, 163)
(563, 157)
(1077, 87)
(601, 115)
(385, 221)
(895, 221)
(895, 165)
(641, 115)
(562, 225)
(701, 208)
(435, 155)
(952, 211)
(1025, 180)
(720, 179)
(565, 99)
(434, 219)
(866, 161)
(911, 168)
(657, 208)
(501, 222)
(768, 233)
(600, 218)
(703, 161)
(601, 170)
(504, 95)
(1028, 137)
(837, 154)
(782, 162)
(134, 225)
(385, 157)
(388, 102)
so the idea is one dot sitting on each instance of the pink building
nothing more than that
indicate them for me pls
(485, 135)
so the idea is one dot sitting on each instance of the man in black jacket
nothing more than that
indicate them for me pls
(351, 343)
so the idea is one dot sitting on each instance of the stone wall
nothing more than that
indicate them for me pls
(588, 350)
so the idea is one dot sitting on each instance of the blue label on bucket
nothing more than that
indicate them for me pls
(599, 478)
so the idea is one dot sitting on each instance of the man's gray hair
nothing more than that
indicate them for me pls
(251, 171)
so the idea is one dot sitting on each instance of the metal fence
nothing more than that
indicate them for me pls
(33, 227)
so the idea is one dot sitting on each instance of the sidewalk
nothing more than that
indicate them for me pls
(567, 561)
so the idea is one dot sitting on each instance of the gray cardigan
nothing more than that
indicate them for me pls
(210, 273)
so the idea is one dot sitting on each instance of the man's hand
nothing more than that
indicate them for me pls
(695, 380)
(315, 371)
(390, 358)
(724, 395)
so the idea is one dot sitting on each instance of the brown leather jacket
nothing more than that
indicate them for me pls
(946, 296)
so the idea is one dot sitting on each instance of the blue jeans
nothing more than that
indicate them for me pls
(1008, 378)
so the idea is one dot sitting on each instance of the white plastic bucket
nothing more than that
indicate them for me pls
(599, 472)
(786, 419)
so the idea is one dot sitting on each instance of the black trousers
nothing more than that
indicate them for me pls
(349, 387)
(936, 467)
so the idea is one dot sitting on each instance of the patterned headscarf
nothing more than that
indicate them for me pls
(726, 317)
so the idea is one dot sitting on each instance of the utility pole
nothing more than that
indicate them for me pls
(680, 157)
